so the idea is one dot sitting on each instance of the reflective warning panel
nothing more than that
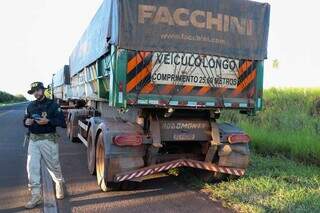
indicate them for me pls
(194, 70)
(184, 74)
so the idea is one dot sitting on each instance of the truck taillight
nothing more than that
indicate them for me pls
(239, 138)
(128, 140)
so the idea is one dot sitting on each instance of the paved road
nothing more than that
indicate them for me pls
(13, 176)
(161, 195)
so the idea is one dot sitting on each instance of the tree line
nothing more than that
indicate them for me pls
(7, 98)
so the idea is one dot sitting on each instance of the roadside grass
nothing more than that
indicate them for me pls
(271, 184)
(298, 145)
(284, 173)
(11, 103)
(5, 104)
(289, 124)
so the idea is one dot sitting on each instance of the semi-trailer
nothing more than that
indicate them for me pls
(147, 81)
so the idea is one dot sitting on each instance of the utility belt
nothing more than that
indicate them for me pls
(40, 137)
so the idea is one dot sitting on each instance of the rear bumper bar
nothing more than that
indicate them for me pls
(176, 164)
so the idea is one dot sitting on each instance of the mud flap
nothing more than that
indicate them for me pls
(214, 143)
(156, 140)
(234, 155)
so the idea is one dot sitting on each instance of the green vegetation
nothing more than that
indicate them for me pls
(288, 125)
(284, 173)
(271, 184)
(6, 98)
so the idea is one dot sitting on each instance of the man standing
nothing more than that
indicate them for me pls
(41, 118)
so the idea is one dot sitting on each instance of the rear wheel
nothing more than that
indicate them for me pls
(91, 154)
(101, 164)
(70, 132)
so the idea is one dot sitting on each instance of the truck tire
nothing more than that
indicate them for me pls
(69, 133)
(91, 154)
(101, 164)
(69, 130)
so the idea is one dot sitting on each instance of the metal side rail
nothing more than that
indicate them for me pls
(175, 164)
(85, 128)
(83, 140)
(83, 125)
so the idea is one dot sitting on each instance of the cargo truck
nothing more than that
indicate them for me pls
(61, 82)
(147, 81)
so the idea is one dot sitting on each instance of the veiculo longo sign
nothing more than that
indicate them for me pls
(194, 70)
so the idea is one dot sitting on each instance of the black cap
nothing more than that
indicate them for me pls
(35, 86)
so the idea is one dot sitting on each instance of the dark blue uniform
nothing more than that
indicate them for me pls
(45, 108)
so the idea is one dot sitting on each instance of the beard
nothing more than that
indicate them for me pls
(39, 97)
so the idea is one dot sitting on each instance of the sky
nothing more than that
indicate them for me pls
(37, 37)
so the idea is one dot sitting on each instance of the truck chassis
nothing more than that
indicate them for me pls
(134, 145)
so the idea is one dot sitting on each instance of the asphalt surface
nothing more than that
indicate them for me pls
(13, 158)
(83, 195)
